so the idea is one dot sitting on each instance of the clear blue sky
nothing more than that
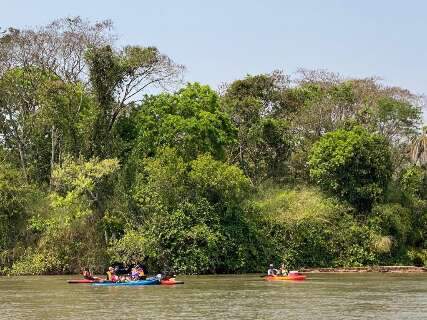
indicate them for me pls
(224, 40)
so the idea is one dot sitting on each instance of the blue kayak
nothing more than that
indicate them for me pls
(147, 282)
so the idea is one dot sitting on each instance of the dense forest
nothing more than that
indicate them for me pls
(107, 155)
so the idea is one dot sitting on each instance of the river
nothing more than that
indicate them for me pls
(322, 296)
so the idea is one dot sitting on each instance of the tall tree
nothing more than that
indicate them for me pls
(418, 151)
(118, 80)
(19, 103)
(58, 47)
(259, 107)
(189, 120)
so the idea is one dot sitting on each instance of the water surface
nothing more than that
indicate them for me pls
(322, 296)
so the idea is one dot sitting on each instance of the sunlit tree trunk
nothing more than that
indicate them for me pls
(418, 150)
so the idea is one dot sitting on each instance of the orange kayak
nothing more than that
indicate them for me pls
(170, 282)
(294, 277)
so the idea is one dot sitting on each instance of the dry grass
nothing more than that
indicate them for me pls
(292, 205)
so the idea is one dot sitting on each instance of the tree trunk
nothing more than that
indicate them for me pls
(52, 153)
(22, 160)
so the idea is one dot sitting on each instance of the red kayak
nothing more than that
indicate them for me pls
(81, 281)
(170, 282)
(86, 281)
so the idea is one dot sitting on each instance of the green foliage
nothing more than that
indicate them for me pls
(353, 164)
(189, 120)
(204, 181)
(307, 229)
(418, 257)
(66, 230)
(258, 107)
(218, 182)
(16, 199)
(78, 178)
(118, 79)
(188, 210)
(414, 182)
(186, 240)
(130, 249)
(36, 263)
(394, 221)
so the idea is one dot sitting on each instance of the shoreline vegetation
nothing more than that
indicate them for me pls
(393, 269)
(108, 156)
(366, 269)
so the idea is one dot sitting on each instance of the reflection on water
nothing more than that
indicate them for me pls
(322, 296)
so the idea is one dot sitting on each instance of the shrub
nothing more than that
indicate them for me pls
(352, 164)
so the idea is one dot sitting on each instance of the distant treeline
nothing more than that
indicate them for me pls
(312, 170)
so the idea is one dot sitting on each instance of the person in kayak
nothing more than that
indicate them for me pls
(271, 271)
(283, 271)
(141, 273)
(134, 274)
(111, 275)
(88, 275)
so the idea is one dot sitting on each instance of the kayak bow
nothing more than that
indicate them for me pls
(170, 282)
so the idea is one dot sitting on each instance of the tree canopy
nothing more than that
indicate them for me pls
(107, 156)
(353, 164)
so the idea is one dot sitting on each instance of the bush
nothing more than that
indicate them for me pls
(307, 229)
(354, 165)
(35, 263)
(418, 257)
(392, 220)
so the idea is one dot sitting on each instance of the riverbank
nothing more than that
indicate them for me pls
(397, 269)
(392, 269)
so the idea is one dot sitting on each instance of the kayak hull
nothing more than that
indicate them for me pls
(296, 277)
(127, 284)
(170, 282)
(75, 281)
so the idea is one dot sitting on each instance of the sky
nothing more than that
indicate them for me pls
(221, 41)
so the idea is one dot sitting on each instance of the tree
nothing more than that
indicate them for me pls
(19, 103)
(43, 118)
(190, 214)
(66, 232)
(418, 149)
(326, 105)
(74, 180)
(59, 47)
(189, 120)
(16, 198)
(352, 164)
(118, 79)
(327, 102)
(259, 107)
(67, 113)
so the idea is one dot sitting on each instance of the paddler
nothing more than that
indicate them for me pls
(111, 274)
(283, 271)
(134, 274)
(271, 271)
(87, 274)
(141, 273)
